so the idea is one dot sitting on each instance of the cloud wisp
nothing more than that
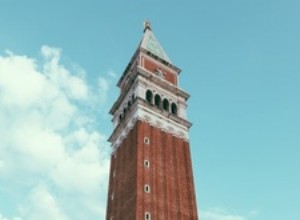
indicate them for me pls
(222, 214)
(217, 214)
(53, 160)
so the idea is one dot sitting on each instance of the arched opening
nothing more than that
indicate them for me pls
(147, 216)
(174, 109)
(146, 163)
(146, 140)
(166, 105)
(149, 96)
(124, 111)
(147, 188)
(157, 100)
(129, 104)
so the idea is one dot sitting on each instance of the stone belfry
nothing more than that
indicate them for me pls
(151, 172)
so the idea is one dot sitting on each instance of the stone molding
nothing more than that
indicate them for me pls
(142, 113)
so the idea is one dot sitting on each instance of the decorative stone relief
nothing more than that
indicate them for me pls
(154, 120)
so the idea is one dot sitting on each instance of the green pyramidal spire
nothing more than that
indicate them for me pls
(151, 44)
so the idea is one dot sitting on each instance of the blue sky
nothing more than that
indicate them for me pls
(60, 62)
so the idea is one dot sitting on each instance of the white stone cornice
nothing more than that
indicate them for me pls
(145, 114)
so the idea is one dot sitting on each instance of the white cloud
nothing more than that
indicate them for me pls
(1, 166)
(219, 215)
(74, 87)
(4, 218)
(254, 212)
(90, 170)
(103, 87)
(112, 74)
(42, 205)
(52, 156)
(20, 83)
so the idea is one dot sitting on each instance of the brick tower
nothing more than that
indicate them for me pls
(151, 173)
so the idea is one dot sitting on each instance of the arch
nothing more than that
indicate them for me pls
(146, 163)
(146, 140)
(174, 109)
(129, 104)
(147, 188)
(166, 105)
(147, 216)
(149, 96)
(157, 100)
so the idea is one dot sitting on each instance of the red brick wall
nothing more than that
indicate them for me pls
(170, 177)
(152, 67)
(123, 185)
(172, 195)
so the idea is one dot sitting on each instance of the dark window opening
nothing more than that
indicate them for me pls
(166, 105)
(147, 163)
(147, 216)
(157, 100)
(147, 188)
(149, 96)
(146, 140)
(174, 108)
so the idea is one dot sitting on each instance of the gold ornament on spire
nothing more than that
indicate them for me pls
(147, 25)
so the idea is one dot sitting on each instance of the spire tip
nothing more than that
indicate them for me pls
(147, 25)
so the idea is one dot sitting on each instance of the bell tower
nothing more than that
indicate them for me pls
(151, 171)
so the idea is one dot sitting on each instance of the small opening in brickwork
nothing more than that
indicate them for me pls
(147, 188)
(121, 117)
(147, 216)
(146, 140)
(146, 163)
(114, 173)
